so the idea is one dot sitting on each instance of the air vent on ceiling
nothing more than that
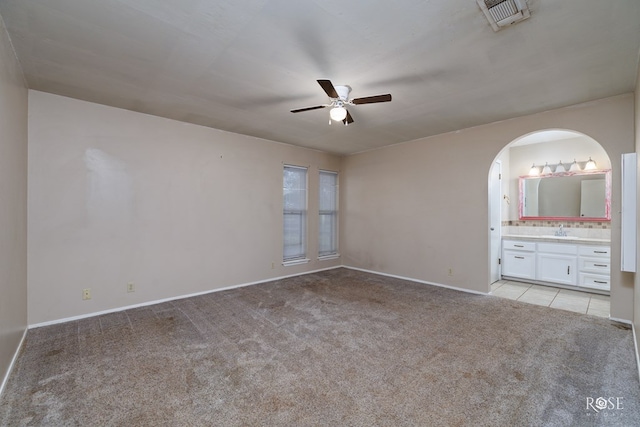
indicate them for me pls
(502, 13)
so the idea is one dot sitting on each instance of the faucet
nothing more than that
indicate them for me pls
(560, 232)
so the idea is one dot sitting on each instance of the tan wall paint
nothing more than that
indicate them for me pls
(636, 297)
(419, 208)
(117, 197)
(13, 203)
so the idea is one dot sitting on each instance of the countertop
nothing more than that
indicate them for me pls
(556, 239)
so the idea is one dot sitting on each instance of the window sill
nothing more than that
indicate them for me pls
(328, 257)
(296, 262)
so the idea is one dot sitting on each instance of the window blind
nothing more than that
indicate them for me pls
(328, 222)
(295, 213)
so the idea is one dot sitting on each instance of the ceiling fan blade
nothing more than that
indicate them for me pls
(299, 110)
(327, 86)
(372, 99)
(348, 119)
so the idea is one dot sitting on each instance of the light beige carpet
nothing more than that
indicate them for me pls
(337, 348)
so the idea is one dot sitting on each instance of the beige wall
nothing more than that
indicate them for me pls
(117, 197)
(420, 208)
(636, 303)
(13, 203)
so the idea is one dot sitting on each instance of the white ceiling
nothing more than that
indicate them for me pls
(241, 65)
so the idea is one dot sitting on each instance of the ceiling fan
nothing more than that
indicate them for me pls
(339, 96)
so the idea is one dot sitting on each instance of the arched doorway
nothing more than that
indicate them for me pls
(553, 249)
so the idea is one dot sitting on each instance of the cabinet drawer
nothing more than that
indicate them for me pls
(519, 264)
(594, 281)
(594, 265)
(517, 245)
(595, 251)
(558, 248)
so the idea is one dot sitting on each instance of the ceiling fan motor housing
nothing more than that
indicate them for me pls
(343, 92)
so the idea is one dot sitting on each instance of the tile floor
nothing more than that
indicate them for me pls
(564, 299)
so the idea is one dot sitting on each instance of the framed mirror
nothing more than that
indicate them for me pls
(576, 196)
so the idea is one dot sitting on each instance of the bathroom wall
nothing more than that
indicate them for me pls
(507, 200)
(13, 203)
(520, 159)
(420, 209)
(565, 150)
(117, 196)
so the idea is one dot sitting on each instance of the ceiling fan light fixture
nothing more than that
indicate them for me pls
(338, 114)
(338, 98)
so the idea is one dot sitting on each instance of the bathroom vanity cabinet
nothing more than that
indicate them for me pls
(519, 259)
(571, 264)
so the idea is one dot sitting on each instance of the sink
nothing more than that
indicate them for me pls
(553, 236)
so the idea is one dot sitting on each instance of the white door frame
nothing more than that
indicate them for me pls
(495, 221)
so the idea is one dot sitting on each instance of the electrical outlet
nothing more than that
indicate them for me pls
(86, 294)
(131, 287)
(450, 271)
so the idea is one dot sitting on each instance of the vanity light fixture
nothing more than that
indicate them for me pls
(534, 171)
(591, 165)
(560, 167)
(575, 167)
(546, 170)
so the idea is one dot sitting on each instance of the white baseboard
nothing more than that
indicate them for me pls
(470, 291)
(143, 304)
(615, 319)
(13, 362)
(635, 345)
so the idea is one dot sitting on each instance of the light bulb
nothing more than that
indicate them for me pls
(338, 114)
(546, 170)
(590, 166)
(560, 167)
(534, 171)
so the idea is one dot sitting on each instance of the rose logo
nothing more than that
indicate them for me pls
(601, 403)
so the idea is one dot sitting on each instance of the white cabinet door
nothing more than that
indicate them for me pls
(557, 268)
(519, 264)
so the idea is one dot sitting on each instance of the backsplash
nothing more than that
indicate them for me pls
(604, 225)
(584, 229)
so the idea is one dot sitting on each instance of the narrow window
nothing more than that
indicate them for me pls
(295, 214)
(328, 223)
